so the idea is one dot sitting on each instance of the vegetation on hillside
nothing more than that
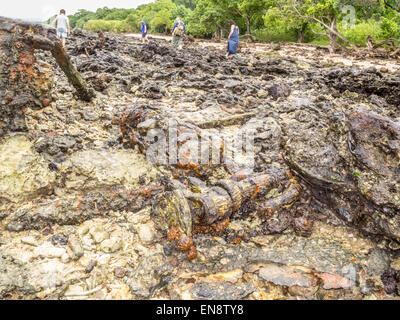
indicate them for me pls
(346, 22)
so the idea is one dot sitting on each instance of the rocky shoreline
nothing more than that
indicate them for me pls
(80, 204)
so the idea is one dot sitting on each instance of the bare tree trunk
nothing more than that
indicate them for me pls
(248, 24)
(333, 35)
(300, 33)
(387, 4)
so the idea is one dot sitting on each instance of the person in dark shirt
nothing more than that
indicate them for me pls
(144, 30)
(178, 32)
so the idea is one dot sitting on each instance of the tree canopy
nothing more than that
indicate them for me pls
(338, 22)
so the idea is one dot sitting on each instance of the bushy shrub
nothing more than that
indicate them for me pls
(358, 35)
(390, 27)
(133, 22)
(108, 26)
(275, 35)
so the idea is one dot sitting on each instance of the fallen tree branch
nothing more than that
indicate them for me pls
(372, 45)
(326, 27)
(392, 7)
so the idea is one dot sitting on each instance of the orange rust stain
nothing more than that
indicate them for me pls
(256, 192)
(201, 229)
(189, 166)
(237, 241)
(222, 225)
(132, 138)
(240, 175)
(215, 228)
(185, 243)
(123, 123)
(146, 192)
(26, 63)
(116, 121)
(191, 253)
(173, 234)
(13, 75)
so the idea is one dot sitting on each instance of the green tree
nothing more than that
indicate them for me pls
(118, 14)
(280, 14)
(191, 4)
(207, 19)
(162, 20)
(79, 19)
(324, 13)
(269, 19)
(133, 21)
(249, 10)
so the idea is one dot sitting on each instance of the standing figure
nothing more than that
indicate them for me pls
(63, 27)
(233, 38)
(144, 30)
(178, 32)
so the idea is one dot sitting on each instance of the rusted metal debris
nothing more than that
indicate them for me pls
(26, 36)
(26, 82)
(199, 204)
(183, 207)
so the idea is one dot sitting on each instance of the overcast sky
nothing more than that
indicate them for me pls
(44, 9)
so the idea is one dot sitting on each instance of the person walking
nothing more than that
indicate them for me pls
(178, 32)
(63, 27)
(233, 39)
(144, 30)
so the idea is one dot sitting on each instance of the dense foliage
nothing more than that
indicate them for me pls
(321, 21)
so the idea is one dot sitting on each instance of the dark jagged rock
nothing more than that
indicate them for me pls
(74, 211)
(368, 81)
(357, 176)
(279, 90)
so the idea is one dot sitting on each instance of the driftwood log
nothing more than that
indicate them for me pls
(25, 82)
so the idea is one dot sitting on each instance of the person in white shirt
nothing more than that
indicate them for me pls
(63, 27)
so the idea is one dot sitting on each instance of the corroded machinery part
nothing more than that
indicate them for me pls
(215, 205)
(197, 148)
(18, 40)
(183, 208)
(286, 199)
(23, 81)
(173, 210)
(234, 191)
